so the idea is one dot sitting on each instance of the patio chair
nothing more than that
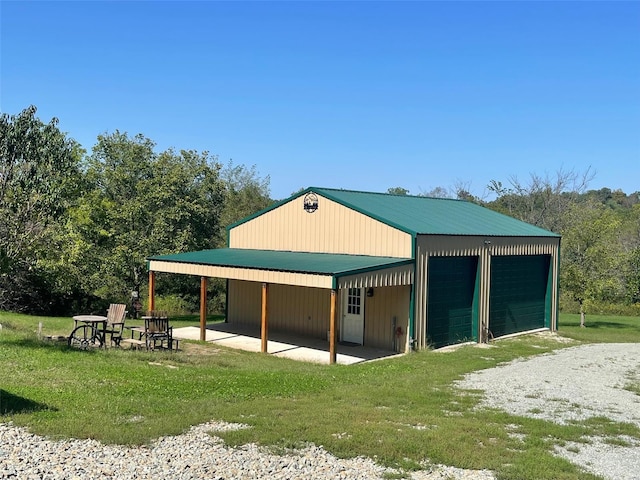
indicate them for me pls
(158, 332)
(115, 322)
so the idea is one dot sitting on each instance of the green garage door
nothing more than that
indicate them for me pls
(452, 314)
(519, 293)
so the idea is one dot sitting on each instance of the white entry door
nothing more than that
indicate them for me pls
(353, 316)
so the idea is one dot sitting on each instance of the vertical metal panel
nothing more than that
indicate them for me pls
(292, 309)
(420, 321)
(385, 312)
(332, 228)
(244, 303)
(301, 310)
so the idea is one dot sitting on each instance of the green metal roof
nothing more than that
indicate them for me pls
(435, 216)
(286, 261)
(424, 215)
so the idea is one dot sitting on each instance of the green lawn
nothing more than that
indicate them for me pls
(399, 411)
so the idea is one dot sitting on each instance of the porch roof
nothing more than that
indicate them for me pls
(322, 270)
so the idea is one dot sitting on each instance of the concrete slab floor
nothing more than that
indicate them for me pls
(296, 347)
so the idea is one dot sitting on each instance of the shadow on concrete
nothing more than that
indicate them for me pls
(282, 344)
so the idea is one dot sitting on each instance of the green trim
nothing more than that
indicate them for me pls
(475, 305)
(148, 264)
(547, 295)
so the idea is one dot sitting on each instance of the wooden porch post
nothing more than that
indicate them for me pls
(264, 328)
(333, 330)
(203, 308)
(152, 290)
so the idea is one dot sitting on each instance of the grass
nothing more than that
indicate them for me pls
(600, 328)
(400, 412)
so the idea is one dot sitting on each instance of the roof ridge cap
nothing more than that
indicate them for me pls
(387, 194)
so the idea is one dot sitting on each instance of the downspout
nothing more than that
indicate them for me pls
(412, 297)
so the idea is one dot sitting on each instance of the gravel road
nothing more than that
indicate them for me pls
(573, 384)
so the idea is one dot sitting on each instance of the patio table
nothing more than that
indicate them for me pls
(82, 337)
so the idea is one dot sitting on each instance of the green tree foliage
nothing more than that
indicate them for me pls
(139, 204)
(397, 191)
(39, 179)
(76, 232)
(592, 256)
(245, 193)
(600, 235)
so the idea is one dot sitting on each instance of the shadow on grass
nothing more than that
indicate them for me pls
(49, 345)
(603, 324)
(11, 404)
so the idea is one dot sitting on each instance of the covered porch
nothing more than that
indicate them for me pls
(281, 344)
(332, 272)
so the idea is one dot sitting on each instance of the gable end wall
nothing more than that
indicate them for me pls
(332, 228)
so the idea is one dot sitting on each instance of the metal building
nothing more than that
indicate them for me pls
(387, 271)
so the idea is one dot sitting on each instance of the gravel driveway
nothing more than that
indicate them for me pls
(573, 384)
(570, 384)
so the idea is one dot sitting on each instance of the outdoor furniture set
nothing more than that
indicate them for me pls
(94, 330)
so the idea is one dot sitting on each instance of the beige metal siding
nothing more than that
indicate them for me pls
(484, 247)
(332, 228)
(387, 304)
(244, 303)
(292, 309)
(247, 274)
(304, 311)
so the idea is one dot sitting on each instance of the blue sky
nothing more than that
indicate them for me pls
(356, 95)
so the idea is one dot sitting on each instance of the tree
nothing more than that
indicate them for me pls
(397, 191)
(543, 200)
(140, 204)
(39, 179)
(591, 255)
(245, 193)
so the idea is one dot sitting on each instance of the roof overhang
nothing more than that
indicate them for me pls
(319, 270)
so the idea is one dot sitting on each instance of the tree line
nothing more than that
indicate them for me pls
(76, 228)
